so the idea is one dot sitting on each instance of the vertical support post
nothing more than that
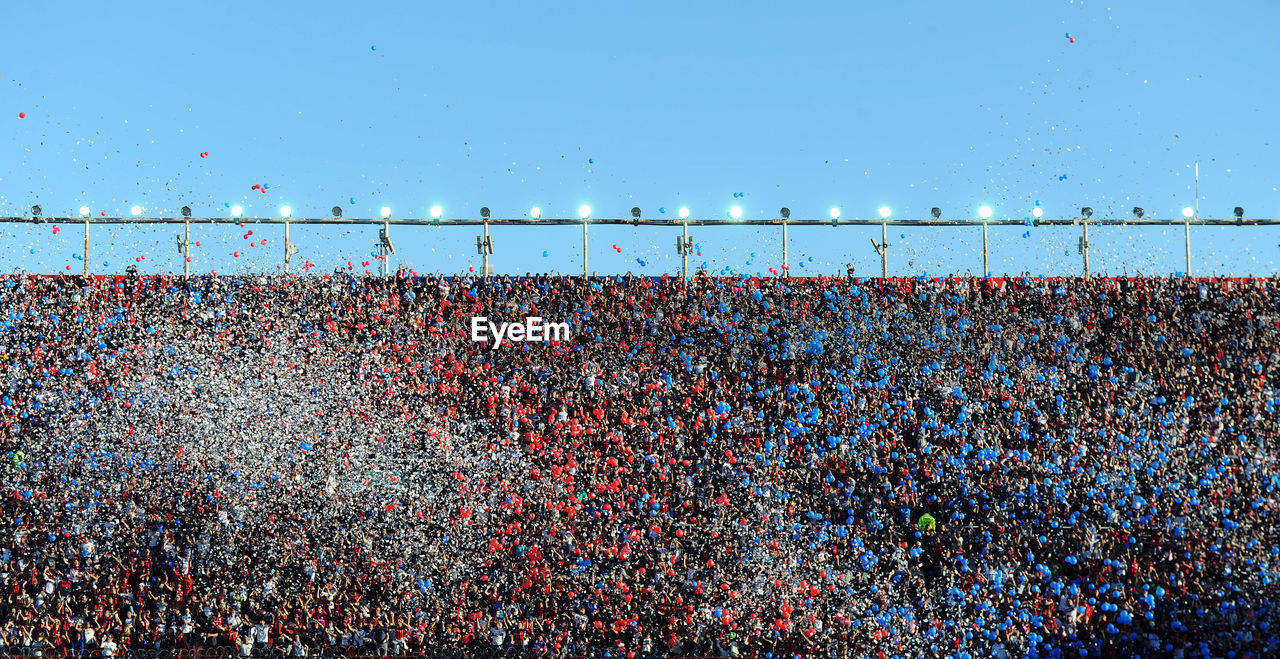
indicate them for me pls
(1186, 228)
(186, 250)
(786, 261)
(1085, 248)
(584, 247)
(684, 252)
(884, 249)
(386, 253)
(286, 245)
(986, 269)
(486, 249)
(86, 247)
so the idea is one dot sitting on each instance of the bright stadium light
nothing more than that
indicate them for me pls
(1188, 211)
(436, 212)
(236, 211)
(835, 213)
(84, 211)
(285, 212)
(984, 212)
(684, 212)
(584, 211)
(884, 212)
(736, 212)
(1037, 212)
(386, 211)
(535, 212)
(137, 210)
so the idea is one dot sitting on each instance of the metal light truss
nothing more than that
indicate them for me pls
(653, 222)
(486, 246)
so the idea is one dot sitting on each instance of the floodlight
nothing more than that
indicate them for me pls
(236, 211)
(285, 212)
(935, 212)
(484, 212)
(635, 212)
(735, 212)
(436, 212)
(1239, 212)
(535, 212)
(386, 212)
(337, 211)
(1037, 212)
(1188, 211)
(84, 211)
(584, 211)
(1086, 212)
(835, 213)
(984, 212)
(186, 211)
(137, 210)
(684, 212)
(785, 212)
(884, 212)
(1137, 212)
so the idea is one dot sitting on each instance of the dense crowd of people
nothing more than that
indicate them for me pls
(331, 466)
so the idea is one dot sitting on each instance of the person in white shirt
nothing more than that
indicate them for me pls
(259, 635)
(108, 648)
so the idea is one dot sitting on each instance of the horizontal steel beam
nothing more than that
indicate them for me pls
(633, 222)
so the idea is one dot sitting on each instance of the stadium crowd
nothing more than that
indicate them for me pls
(330, 466)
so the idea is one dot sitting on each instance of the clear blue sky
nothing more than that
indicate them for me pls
(505, 104)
